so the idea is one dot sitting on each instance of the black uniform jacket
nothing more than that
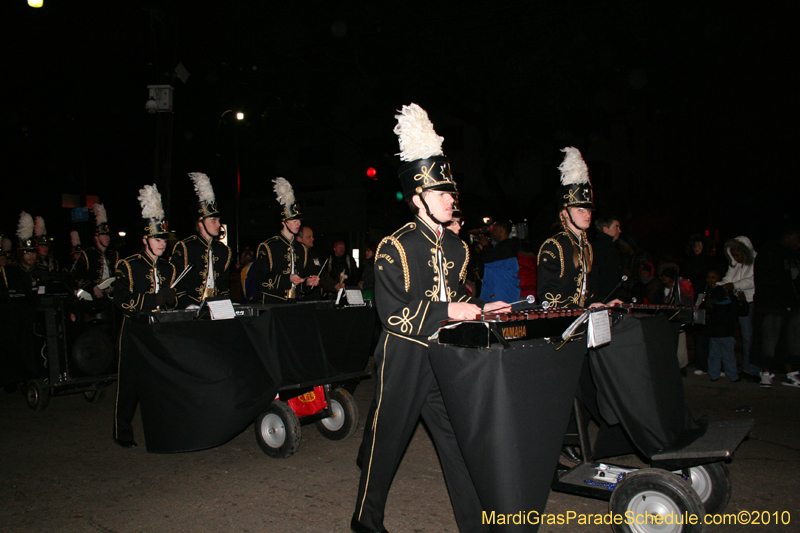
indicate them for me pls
(559, 281)
(16, 277)
(88, 270)
(274, 266)
(407, 278)
(194, 250)
(135, 287)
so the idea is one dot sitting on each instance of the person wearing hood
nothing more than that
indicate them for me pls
(739, 277)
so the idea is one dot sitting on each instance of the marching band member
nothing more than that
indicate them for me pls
(282, 262)
(565, 259)
(96, 265)
(419, 275)
(211, 260)
(23, 276)
(142, 284)
(44, 258)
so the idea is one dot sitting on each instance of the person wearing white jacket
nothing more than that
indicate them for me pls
(741, 256)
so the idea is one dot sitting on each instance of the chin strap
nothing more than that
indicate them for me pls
(428, 211)
(285, 225)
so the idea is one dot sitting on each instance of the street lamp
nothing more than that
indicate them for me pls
(35, 3)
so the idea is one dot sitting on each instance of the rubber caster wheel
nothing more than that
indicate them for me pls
(656, 501)
(343, 422)
(278, 430)
(712, 483)
(37, 395)
(94, 396)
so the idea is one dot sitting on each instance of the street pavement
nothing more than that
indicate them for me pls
(61, 472)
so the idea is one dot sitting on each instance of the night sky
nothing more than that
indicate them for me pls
(684, 114)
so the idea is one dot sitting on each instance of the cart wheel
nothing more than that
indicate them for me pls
(37, 395)
(650, 492)
(712, 483)
(278, 430)
(94, 396)
(343, 422)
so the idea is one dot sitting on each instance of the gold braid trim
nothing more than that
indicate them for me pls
(463, 275)
(422, 321)
(228, 262)
(259, 253)
(560, 254)
(406, 338)
(185, 254)
(403, 259)
(130, 274)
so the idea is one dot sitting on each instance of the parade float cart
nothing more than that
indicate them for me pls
(202, 382)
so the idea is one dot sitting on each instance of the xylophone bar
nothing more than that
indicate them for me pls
(499, 328)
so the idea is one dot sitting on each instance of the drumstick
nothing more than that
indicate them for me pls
(185, 270)
(323, 267)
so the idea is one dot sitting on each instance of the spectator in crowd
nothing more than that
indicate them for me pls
(676, 291)
(673, 289)
(244, 290)
(722, 309)
(644, 289)
(777, 302)
(698, 261)
(367, 282)
(500, 265)
(341, 267)
(607, 263)
(741, 256)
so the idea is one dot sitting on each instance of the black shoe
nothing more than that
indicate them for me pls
(125, 443)
(571, 453)
(752, 378)
(357, 527)
(737, 380)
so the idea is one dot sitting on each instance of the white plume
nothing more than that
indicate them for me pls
(7, 244)
(99, 214)
(283, 189)
(38, 227)
(150, 200)
(573, 168)
(74, 238)
(25, 227)
(202, 186)
(418, 139)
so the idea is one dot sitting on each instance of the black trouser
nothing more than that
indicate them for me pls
(777, 337)
(127, 396)
(405, 390)
(701, 347)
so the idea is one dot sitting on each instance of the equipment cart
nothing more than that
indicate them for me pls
(201, 382)
(327, 405)
(635, 395)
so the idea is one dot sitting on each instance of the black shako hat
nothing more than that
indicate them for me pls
(576, 189)
(155, 226)
(427, 169)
